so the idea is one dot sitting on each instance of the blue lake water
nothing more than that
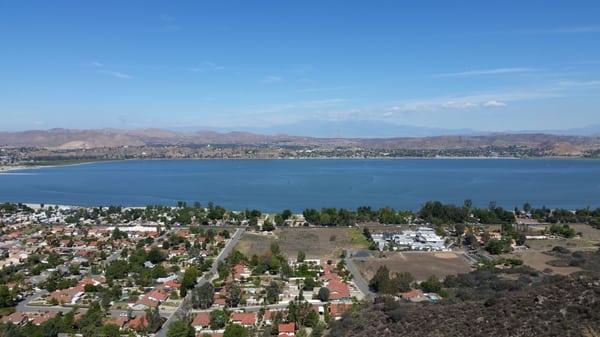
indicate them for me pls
(273, 185)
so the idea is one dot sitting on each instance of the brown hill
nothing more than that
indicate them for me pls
(86, 139)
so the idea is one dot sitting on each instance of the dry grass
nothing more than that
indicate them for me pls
(538, 260)
(420, 264)
(315, 242)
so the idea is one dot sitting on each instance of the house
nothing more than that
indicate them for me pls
(201, 321)
(414, 295)
(41, 318)
(138, 323)
(240, 271)
(286, 329)
(338, 290)
(16, 318)
(246, 319)
(338, 309)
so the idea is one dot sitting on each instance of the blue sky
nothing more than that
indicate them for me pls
(486, 65)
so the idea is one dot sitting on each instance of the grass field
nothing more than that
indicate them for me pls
(315, 242)
(420, 264)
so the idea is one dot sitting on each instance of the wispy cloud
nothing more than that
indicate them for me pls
(206, 67)
(493, 104)
(572, 84)
(575, 29)
(488, 72)
(272, 79)
(169, 24)
(324, 89)
(117, 74)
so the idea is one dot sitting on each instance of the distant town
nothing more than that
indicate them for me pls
(61, 146)
(203, 270)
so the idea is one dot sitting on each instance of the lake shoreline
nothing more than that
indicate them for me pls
(10, 168)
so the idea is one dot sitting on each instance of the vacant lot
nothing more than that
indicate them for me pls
(315, 242)
(537, 260)
(420, 264)
(535, 257)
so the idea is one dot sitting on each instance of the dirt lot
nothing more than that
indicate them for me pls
(315, 242)
(535, 257)
(420, 264)
(537, 260)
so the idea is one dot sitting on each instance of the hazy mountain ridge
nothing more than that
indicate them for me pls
(104, 138)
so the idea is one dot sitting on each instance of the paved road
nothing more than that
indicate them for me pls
(185, 306)
(359, 280)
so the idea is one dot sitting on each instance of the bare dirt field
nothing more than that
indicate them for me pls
(537, 260)
(535, 257)
(420, 264)
(315, 242)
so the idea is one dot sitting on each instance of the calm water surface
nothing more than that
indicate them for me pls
(273, 185)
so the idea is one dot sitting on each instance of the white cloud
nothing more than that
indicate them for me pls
(117, 74)
(97, 64)
(488, 72)
(493, 104)
(272, 79)
(575, 29)
(206, 67)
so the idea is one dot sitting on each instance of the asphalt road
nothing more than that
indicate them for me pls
(359, 280)
(185, 307)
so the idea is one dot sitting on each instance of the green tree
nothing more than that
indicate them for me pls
(272, 292)
(190, 277)
(301, 256)
(236, 330)
(110, 330)
(234, 295)
(203, 296)
(324, 294)
(218, 319)
(180, 329)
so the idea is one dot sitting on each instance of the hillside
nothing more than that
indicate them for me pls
(63, 139)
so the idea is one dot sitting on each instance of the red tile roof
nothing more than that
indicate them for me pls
(202, 319)
(244, 318)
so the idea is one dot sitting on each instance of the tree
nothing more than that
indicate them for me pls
(234, 295)
(6, 298)
(324, 294)
(520, 239)
(189, 280)
(218, 319)
(155, 255)
(309, 283)
(431, 285)
(117, 269)
(403, 281)
(236, 330)
(495, 246)
(203, 296)
(110, 330)
(154, 320)
(275, 250)
(318, 330)
(272, 291)
(301, 256)
(268, 226)
(526, 207)
(180, 329)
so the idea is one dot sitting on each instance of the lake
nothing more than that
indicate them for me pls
(274, 185)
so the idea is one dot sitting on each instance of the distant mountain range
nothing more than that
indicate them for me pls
(66, 139)
(376, 129)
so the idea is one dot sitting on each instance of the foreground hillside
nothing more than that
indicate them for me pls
(554, 306)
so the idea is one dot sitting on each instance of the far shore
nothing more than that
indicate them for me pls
(11, 168)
